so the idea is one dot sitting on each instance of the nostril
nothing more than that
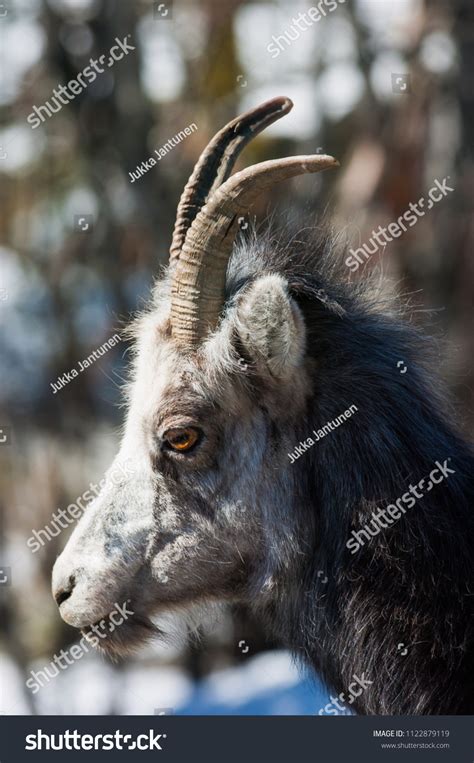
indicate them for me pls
(61, 596)
(64, 593)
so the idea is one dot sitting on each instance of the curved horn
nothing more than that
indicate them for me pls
(198, 286)
(216, 161)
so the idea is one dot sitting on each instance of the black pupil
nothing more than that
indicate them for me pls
(181, 439)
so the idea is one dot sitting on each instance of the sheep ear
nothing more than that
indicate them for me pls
(271, 326)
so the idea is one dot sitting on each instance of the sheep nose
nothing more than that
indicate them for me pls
(64, 590)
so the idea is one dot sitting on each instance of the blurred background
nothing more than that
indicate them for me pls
(385, 86)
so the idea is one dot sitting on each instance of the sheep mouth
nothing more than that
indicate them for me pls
(120, 640)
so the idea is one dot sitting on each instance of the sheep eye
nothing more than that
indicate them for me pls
(181, 440)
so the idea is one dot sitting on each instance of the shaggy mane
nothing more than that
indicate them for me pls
(411, 584)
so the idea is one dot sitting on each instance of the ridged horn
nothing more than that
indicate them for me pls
(198, 286)
(217, 160)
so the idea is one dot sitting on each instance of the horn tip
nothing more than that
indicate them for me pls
(286, 103)
(317, 162)
(329, 160)
(281, 103)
